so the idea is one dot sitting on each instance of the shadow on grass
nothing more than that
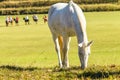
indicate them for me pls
(96, 72)
(16, 68)
(92, 72)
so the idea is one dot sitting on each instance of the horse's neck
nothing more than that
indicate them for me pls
(85, 39)
(79, 24)
(82, 37)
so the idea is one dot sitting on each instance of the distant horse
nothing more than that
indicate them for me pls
(26, 20)
(66, 20)
(45, 19)
(7, 23)
(35, 18)
(16, 20)
(9, 20)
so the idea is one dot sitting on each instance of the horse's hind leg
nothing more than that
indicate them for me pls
(66, 41)
(57, 47)
(11, 22)
(60, 40)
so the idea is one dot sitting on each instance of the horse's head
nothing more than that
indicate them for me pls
(84, 51)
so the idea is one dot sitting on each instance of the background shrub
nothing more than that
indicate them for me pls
(10, 7)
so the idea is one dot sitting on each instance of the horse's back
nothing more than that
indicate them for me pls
(55, 11)
(60, 18)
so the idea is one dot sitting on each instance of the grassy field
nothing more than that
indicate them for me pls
(27, 51)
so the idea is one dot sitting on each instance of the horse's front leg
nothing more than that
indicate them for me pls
(66, 41)
(57, 48)
(7, 22)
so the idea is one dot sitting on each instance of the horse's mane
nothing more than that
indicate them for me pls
(78, 16)
(75, 10)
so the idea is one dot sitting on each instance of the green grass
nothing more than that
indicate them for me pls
(104, 28)
(26, 44)
(27, 51)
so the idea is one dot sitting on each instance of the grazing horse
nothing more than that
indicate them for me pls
(26, 21)
(45, 19)
(66, 20)
(9, 20)
(35, 18)
(16, 20)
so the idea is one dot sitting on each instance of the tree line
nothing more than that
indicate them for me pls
(41, 6)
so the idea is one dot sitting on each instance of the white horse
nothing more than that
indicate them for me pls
(66, 20)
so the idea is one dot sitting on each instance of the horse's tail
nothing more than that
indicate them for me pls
(60, 40)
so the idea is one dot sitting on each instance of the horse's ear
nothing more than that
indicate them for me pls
(89, 43)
